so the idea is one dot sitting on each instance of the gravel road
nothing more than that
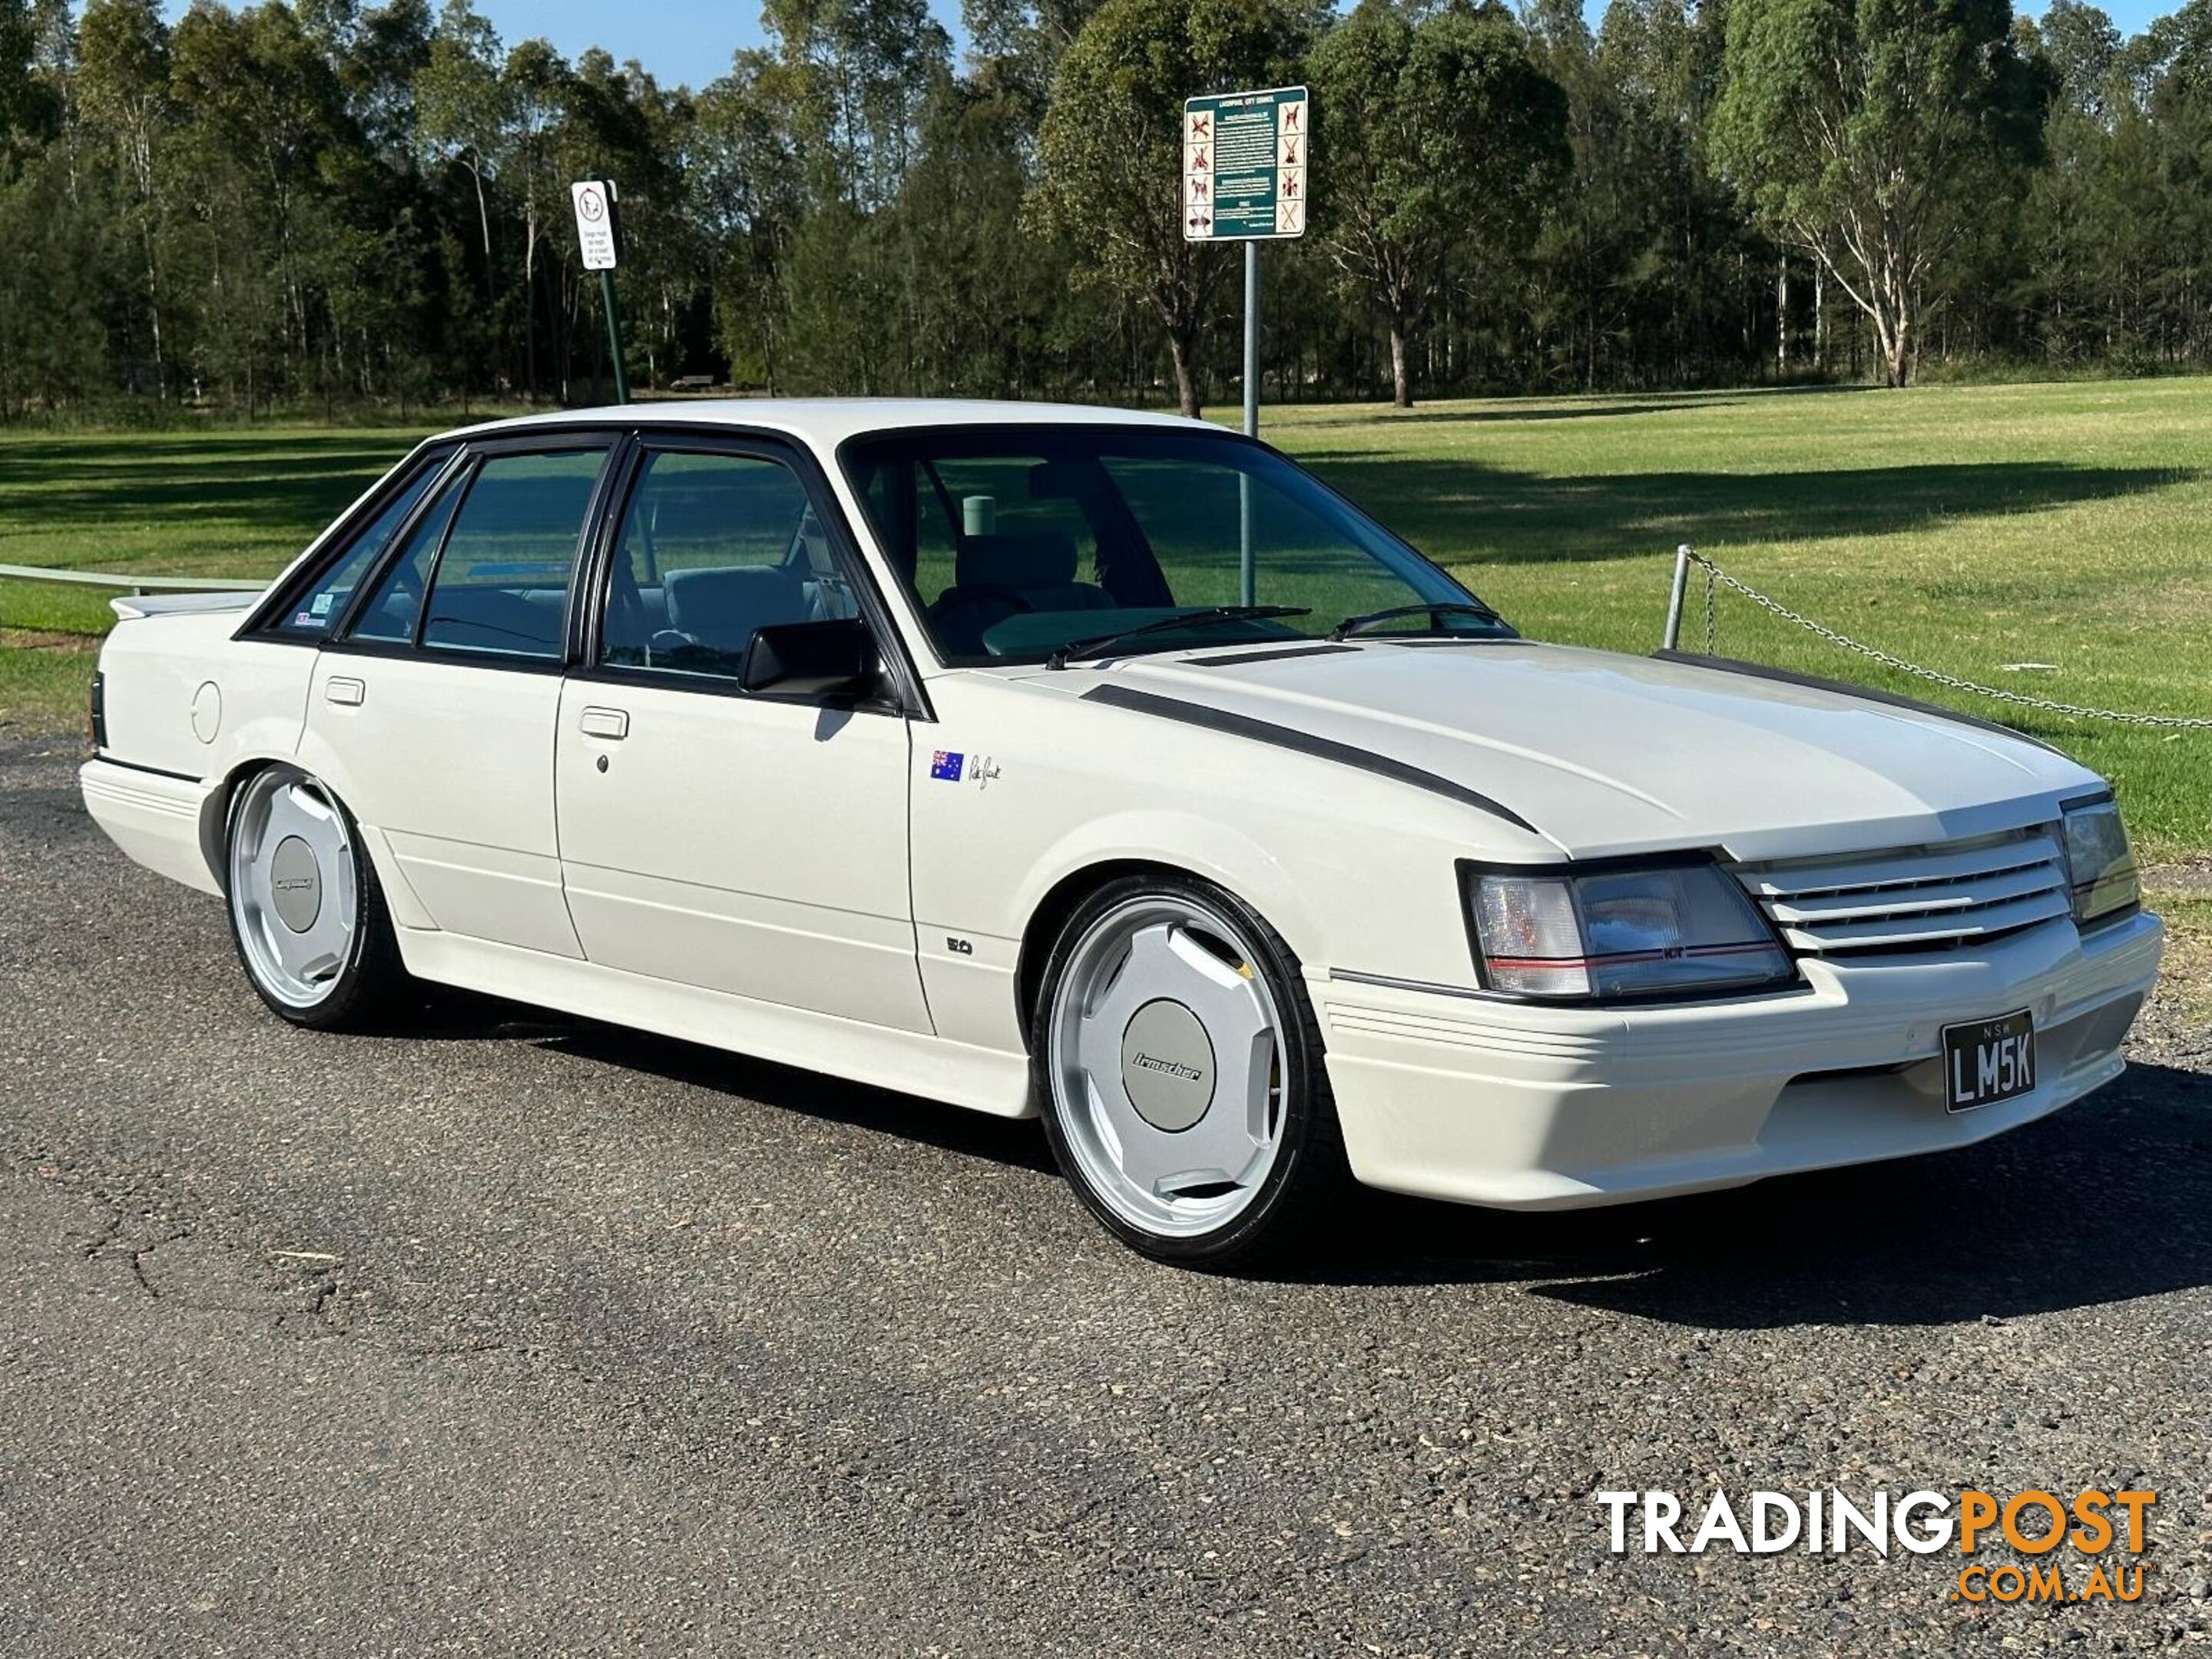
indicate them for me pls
(521, 1335)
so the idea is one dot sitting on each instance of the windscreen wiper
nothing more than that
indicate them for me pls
(1100, 643)
(1435, 611)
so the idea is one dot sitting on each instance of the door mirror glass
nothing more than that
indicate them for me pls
(826, 660)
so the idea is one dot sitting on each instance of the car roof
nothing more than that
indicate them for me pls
(826, 423)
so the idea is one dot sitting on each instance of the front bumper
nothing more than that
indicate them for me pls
(1485, 1101)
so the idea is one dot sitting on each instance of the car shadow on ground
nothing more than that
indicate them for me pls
(2108, 1201)
(468, 1017)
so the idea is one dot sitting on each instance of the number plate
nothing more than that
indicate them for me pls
(1987, 1060)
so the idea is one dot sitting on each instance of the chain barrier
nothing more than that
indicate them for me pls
(1717, 578)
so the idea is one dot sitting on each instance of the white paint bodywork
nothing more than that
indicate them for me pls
(777, 880)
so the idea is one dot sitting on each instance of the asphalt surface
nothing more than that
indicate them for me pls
(520, 1334)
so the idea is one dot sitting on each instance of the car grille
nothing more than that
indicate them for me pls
(1914, 899)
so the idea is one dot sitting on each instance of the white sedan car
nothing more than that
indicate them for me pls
(1110, 768)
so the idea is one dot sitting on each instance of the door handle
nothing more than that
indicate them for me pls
(344, 690)
(613, 723)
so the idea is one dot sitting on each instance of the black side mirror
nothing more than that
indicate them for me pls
(829, 659)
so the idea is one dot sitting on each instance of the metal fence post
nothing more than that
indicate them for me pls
(1673, 639)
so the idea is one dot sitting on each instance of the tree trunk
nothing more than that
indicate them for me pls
(1402, 389)
(1819, 319)
(154, 311)
(1782, 317)
(1183, 345)
(1898, 351)
(530, 302)
(483, 223)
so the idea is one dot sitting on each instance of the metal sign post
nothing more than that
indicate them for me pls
(598, 235)
(1244, 160)
(1247, 584)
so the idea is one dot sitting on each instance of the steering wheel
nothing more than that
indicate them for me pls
(666, 644)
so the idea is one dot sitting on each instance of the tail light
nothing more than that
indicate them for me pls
(99, 720)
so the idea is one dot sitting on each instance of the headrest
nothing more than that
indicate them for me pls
(698, 600)
(1043, 558)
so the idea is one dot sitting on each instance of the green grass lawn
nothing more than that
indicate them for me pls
(1965, 528)
(219, 503)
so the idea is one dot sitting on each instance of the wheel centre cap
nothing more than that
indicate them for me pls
(1167, 1066)
(295, 884)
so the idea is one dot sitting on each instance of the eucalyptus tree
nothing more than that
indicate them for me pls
(747, 189)
(123, 87)
(263, 123)
(1870, 134)
(1112, 148)
(533, 90)
(460, 107)
(1440, 140)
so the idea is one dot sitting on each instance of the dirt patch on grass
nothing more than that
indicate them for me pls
(2184, 878)
(41, 638)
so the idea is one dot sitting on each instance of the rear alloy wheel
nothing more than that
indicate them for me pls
(305, 909)
(1180, 1073)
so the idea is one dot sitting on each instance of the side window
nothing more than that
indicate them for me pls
(320, 605)
(501, 583)
(713, 547)
(397, 601)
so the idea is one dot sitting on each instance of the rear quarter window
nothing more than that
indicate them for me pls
(315, 610)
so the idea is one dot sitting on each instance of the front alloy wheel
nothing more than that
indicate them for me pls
(1180, 1073)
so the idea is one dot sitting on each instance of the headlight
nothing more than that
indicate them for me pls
(2101, 865)
(1674, 929)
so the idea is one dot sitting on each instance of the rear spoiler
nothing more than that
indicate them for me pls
(140, 606)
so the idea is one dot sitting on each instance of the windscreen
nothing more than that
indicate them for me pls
(1019, 542)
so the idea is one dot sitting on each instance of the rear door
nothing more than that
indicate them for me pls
(433, 708)
(752, 845)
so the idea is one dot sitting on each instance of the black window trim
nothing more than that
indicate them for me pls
(587, 621)
(549, 440)
(432, 456)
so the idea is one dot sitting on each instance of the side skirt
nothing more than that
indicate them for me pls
(982, 1079)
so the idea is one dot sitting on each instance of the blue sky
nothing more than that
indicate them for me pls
(686, 40)
(691, 40)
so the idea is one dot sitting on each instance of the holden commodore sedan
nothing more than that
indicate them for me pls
(1112, 769)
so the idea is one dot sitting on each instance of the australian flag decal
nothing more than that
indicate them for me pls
(946, 767)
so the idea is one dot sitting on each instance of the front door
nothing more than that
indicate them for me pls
(433, 711)
(751, 845)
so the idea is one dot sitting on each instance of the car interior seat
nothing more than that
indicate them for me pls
(998, 576)
(719, 607)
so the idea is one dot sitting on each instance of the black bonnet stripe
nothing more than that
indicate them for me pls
(1304, 743)
(1230, 659)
